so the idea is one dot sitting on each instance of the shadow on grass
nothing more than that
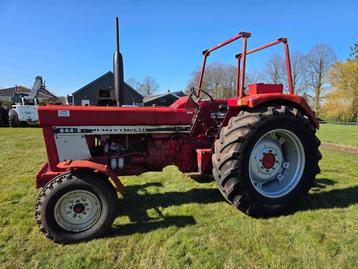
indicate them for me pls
(322, 183)
(337, 198)
(138, 201)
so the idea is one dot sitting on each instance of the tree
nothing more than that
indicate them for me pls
(319, 61)
(274, 69)
(354, 50)
(148, 86)
(133, 83)
(253, 77)
(342, 101)
(276, 73)
(219, 80)
(299, 72)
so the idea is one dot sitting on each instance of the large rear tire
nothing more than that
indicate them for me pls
(266, 160)
(76, 207)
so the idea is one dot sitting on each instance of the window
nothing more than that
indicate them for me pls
(105, 93)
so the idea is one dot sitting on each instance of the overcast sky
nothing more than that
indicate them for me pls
(70, 43)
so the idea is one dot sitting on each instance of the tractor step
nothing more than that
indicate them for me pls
(203, 157)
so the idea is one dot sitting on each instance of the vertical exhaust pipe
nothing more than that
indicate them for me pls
(118, 71)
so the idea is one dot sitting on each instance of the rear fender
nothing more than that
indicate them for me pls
(256, 100)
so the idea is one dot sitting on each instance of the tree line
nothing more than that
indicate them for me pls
(330, 86)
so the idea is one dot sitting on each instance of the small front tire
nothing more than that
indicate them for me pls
(76, 207)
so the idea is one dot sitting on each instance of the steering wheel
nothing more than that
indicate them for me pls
(195, 94)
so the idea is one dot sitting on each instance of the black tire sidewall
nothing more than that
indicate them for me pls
(96, 187)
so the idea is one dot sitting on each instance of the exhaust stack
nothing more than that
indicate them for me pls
(118, 71)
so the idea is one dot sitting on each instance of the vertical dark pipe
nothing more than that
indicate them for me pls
(118, 71)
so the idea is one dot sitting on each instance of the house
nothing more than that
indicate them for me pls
(164, 99)
(43, 95)
(100, 92)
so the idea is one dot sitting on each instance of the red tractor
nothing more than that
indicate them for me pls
(260, 146)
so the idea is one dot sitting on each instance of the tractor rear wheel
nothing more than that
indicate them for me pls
(76, 207)
(266, 160)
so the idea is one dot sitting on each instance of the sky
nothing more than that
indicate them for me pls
(71, 43)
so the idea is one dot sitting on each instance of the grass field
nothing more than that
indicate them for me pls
(170, 221)
(339, 134)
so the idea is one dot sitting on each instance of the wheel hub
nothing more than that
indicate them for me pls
(77, 210)
(268, 160)
(276, 163)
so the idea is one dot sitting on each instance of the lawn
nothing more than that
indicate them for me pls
(339, 134)
(170, 221)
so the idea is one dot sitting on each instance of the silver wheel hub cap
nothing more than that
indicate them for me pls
(78, 210)
(276, 163)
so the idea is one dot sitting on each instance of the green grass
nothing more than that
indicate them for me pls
(170, 221)
(339, 134)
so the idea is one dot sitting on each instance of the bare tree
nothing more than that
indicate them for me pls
(253, 77)
(299, 72)
(148, 86)
(133, 83)
(319, 61)
(219, 80)
(275, 69)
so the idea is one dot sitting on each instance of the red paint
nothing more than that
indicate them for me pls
(96, 167)
(258, 99)
(50, 148)
(95, 115)
(268, 160)
(45, 175)
(204, 160)
(261, 88)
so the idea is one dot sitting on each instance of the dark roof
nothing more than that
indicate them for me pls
(179, 93)
(42, 93)
(108, 74)
(10, 91)
(157, 96)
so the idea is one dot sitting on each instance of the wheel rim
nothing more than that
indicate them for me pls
(78, 210)
(276, 163)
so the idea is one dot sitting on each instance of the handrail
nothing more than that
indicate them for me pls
(240, 80)
(207, 52)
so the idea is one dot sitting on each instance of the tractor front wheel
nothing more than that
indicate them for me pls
(76, 207)
(266, 159)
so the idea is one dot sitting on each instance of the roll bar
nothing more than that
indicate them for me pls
(240, 72)
(240, 82)
(206, 53)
